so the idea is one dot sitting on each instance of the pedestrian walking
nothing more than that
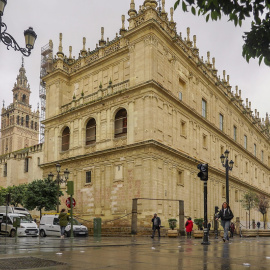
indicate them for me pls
(189, 226)
(63, 221)
(226, 215)
(156, 225)
(258, 224)
(232, 229)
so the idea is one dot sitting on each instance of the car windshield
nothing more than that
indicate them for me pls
(75, 222)
(25, 219)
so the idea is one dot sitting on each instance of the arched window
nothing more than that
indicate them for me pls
(27, 121)
(32, 124)
(18, 120)
(24, 98)
(35, 125)
(120, 124)
(91, 131)
(65, 139)
(22, 121)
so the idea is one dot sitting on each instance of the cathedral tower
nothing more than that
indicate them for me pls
(19, 125)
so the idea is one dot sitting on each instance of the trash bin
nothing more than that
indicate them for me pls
(97, 227)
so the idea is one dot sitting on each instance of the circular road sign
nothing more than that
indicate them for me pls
(68, 200)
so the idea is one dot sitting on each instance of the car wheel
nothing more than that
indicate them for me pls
(12, 233)
(42, 233)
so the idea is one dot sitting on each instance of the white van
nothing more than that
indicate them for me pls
(27, 226)
(17, 210)
(49, 226)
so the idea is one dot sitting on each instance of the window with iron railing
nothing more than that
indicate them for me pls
(120, 123)
(91, 131)
(65, 139)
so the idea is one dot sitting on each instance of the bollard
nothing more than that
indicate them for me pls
(97, 227)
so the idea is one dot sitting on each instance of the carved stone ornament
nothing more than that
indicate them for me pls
(151, 40)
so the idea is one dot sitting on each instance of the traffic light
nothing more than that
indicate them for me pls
(203, 174)
(8, 198)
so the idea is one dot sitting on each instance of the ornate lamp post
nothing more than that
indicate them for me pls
(7, 39)
(58, 180)
(228, 166)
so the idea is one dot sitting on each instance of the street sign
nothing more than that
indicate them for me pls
(68, 202)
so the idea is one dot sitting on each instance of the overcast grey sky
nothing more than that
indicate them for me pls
(84, 18)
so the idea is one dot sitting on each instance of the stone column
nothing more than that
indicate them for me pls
(134, 216)
(181, 218)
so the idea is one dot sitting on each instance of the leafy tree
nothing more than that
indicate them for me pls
(263, 205)
(41, 194)
(17, 194)
(250, 201)
(257, 40)
(3, 192)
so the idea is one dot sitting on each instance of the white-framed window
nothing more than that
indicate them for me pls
(221, 122)
(235, 133)
(26, 165)
(245, 141)
(204, 108)
(88, 177)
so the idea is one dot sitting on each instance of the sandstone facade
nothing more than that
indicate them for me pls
(134, 118)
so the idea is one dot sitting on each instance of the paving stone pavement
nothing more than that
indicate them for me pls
(139, 253)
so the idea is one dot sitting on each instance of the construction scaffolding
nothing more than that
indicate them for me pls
(45, 68)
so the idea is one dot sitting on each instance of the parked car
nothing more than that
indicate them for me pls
(49, 226)
(27, 226)
(17, 210)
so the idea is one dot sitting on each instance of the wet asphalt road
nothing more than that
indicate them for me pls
(140, 253)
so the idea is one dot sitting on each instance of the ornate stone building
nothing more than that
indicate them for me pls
(19, 124)
(20, 153)
(134, 117)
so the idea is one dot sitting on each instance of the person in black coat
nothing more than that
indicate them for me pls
(156, 225)
(226, 215)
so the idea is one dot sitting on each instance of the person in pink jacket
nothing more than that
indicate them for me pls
(189, 226)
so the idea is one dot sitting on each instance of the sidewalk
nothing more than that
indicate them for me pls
(136, 253)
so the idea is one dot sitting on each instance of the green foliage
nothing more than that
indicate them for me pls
(257, 40)
(172, 223)
(3, 192)
(250, 200)
(263, 205)
(41, 194)
(199, 222)
(17, 194)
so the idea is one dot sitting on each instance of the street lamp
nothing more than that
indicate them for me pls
(7, 39)
(58, 180)
(228, 166)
